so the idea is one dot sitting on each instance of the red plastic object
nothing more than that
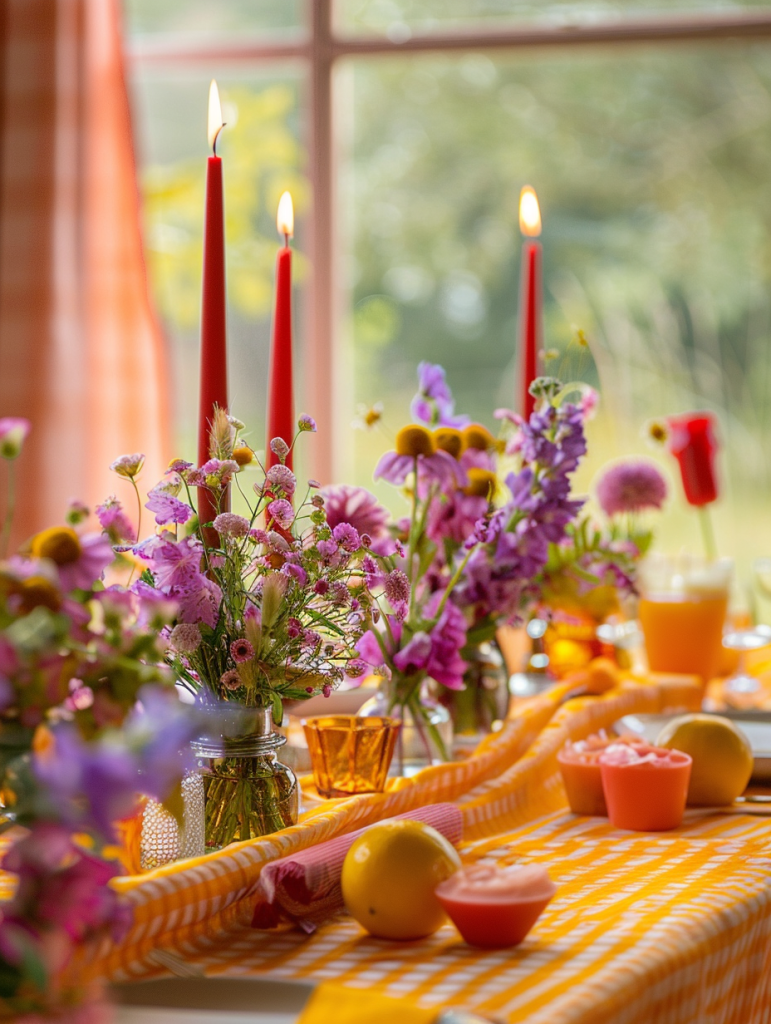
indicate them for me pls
(496, 907)
(692, 441)
(646, 792)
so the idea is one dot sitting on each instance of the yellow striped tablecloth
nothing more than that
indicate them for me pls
(667, 928)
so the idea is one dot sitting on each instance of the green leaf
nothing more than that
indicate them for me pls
(278, 709)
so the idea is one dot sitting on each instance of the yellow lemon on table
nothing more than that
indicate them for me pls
(722, 757)
(389, 877)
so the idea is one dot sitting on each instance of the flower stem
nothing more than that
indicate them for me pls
(11, 508)
(139, 524)
(707, 533)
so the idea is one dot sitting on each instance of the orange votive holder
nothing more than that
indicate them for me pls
(350, 754)
(495, 907)
(579, 765)
(645, 788)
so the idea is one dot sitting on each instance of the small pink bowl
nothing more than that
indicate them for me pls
(493, 923)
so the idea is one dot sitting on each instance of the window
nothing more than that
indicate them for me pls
(644, 126)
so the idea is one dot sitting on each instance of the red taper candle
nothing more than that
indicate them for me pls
(530, 299)
(281, 421)
(214, 359)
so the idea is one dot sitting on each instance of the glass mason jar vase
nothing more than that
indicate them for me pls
(248, 792)
(425, 737)
(486, 697)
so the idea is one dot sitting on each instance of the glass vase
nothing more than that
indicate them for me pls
(248, 792)
(425, 737)
(162, 840)
(486, 697)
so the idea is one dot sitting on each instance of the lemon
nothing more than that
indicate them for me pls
(722, 757)
(389, 877)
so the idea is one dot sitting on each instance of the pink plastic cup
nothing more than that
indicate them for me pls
(645, 787)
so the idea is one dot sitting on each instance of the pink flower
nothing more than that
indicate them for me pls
(115, 522)
(295, 572)
(217, 472)
(281, 512)
(306, 422)
(231, 680)
(631, 486)
(185, 637)
(279, 447)
(128, 465)
(281, 477)
(227, 524)
(95, 555)
(438, 467)
(13, 432)
(177, 570)
(588, 403)
(241, 650)
(397, 587)
(163, 501)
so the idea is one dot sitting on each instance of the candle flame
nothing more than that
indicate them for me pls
(285, 216)
(215, 115)
(529, 212)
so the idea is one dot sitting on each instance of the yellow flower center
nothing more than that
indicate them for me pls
(482, 483)
(243, 456)
(372, 416)
(449, 440)
(477, 436)
(37, 591)
(59, 543)
(414, 440)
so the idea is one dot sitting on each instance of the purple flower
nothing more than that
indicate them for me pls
(241, 650)
(227, 524)
(347, 537)
(293, 628)
(631, 486)
(321, 587)
(281, 476)
(114, 521)
(281, 512)
(179, 466)
(357, 506)
(13, 432)
(328, 549)
(434, 404)
(167, 507)
(306, 423)
(218, 472)
(176, 566)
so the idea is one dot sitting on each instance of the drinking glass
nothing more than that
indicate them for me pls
(682, 612)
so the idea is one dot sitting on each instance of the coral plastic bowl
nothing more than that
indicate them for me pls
(489, 916)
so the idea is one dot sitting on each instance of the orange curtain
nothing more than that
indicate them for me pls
(81, 353)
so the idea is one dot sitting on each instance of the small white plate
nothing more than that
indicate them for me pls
(210, 1001)
(756, 726)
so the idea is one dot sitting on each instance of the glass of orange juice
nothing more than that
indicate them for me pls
(682, 612)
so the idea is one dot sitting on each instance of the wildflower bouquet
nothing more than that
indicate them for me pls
(270, 605)
(474, 544)
(269, 608)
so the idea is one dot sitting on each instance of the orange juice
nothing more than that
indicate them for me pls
(684, 631)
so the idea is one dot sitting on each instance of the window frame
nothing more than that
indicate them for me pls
(318, 48)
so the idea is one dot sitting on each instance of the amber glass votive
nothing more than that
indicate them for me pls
(350, 754)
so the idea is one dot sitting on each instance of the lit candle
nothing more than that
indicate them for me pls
(281, 422)
(530, 298)
(214, 369)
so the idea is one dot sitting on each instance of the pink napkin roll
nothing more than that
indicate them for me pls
(304, 888)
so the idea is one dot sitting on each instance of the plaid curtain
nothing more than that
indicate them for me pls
(81, 352)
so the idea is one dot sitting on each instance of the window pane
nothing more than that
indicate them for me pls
(652, 169)
(207, 16)
(399, 18)
(262, 156)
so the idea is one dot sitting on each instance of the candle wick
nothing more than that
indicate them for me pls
(286, 240)
(216, 136)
